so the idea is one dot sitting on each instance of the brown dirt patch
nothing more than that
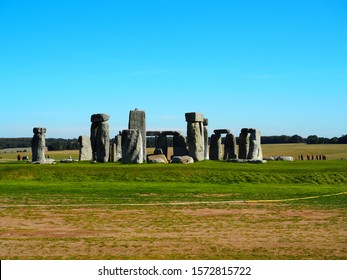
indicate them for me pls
(173, 232)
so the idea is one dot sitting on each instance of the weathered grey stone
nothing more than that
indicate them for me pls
(132, 146)
(38, 144)
(100, 138)
(137, 120)
(85, 148)
(179, 146)
(99, 118)
(284, 158)
(161, 143)
(46, 161)
(103, 142)
(221, 131)
(67, 160)
(158, 151)
(153, 133)
(255, 151)
(216, 152)
(194, 117)
(195, 136)
(157, 159)
(206, 148)
(246, 161)
(118, 147)
(230, 147)
(170, 133)
(269, 158)
(243, 144)
(182, 159)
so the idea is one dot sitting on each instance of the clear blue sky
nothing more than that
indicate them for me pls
(279, 66)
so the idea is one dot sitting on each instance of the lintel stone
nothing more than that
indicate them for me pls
(153, 133)
(194, 117)
(99, 118)
(222, 131)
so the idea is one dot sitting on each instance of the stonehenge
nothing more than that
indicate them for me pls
(130, 145)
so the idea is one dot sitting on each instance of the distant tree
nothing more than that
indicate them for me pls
(312, 139)
(333, 140)
(343, 139)
(296, 139)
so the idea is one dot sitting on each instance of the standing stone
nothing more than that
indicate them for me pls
(132, 146)
(85, 148)
(230, 147)
(206, 150)
(118, 147)
(100, 137)
(137, 120)
(216, 152)
(38, 144)
(179, 145)
(195, 135)
(255, 151)
(243, 144)
(161, 143)
(103, 142)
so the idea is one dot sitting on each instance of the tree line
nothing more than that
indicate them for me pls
(53, 144)
(57, 144)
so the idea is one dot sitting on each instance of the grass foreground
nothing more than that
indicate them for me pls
(207, 210)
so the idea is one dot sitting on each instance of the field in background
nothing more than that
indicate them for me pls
(206, 210)
(332, 151)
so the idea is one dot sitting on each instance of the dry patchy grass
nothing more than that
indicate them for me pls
(241, 231)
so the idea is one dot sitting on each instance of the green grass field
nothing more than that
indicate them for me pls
(207, 210)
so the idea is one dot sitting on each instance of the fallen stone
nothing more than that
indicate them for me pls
(45, 161)
(182, 159)
(157, 159)
(68, 160)
(284, 158)
(246, 161)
